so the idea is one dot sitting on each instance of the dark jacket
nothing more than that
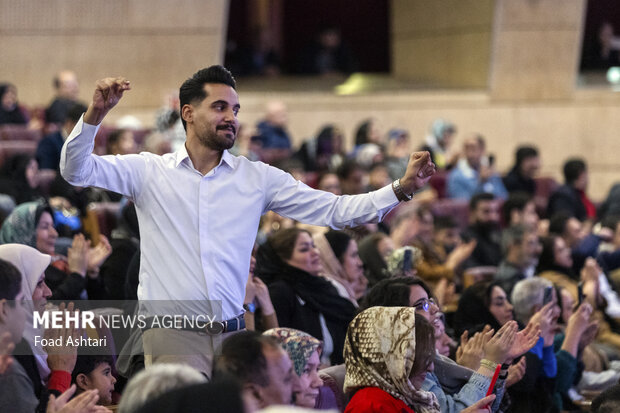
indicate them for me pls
(273, 137)
(488, 251)
(299, 299)
(566, 198)
(48, 151)
(514, 182)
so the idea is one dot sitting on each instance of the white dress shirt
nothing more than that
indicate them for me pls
(197, 232)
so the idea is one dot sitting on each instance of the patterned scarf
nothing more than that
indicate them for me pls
(379, 352)
(297, 344)
(20, 227)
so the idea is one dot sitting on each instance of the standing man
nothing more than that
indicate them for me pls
(199, 207)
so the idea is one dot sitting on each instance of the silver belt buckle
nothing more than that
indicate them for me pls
(215, 327)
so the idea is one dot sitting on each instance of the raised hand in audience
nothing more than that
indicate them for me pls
(523, 342)
(419, 171)
(460, 253)
(77, 255)
(471, 351)
(6, 349)
(589, 275)
(577, 324)
(546, 318)
(497, 349)
(97, 255)
(84, 403)
(516, 372)
(445, 292)
(481, 406)
(62, 357)
(108, 92)
(588, 335)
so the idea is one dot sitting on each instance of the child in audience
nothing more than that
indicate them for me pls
(94, 372)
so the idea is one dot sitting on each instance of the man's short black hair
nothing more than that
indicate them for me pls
(87, 361)
(557, 223)
(523, 153)
(192, 90)
(243, 357)
(611, 222)
(573, 168)
(74, 112)
(10, 282)
(476, 199)
(392, 292)
(113, 138)
(444, 222)
(347, 168)
(516, 200)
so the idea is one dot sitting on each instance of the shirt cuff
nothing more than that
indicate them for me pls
(59, 380)
(87, 127)
(385, 197)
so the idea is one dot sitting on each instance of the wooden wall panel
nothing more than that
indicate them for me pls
(444, 42)
(155, 43)
(536, 49)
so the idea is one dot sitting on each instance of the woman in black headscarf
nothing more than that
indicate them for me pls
(289, 264)
(10, 112)
(482, 304)
(19, 179)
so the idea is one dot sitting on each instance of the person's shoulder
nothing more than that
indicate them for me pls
(373, 399)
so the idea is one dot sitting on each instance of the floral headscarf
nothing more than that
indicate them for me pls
(20, 227)
(396, 260)
(379, 352)
(297, 344)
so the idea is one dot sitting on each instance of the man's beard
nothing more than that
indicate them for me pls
(216, 142)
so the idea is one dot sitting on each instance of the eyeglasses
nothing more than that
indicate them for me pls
(424, 304)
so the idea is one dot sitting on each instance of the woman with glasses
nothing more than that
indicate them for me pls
(456, 387)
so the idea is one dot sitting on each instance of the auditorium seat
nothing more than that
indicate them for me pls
(107, 216)
(104, 131)
(331, 394)
(439, 182)
(19, 133)
(458, 209)
(545, 186)
(10, 148)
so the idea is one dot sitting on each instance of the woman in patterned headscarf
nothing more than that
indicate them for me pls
(304, 351)
(387, 352)
(32, 224)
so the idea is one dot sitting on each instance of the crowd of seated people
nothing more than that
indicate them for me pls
(474, 283)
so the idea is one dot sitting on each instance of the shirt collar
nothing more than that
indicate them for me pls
(182, 155)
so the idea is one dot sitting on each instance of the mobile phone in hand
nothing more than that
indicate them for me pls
(580, 294)
(548, 295)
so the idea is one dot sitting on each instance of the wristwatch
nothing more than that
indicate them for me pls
(399, 192)
(250, 307)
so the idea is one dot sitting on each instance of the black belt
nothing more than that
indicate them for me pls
(209, 327)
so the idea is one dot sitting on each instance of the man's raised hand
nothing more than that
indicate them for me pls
(108, 92)
(419, 171)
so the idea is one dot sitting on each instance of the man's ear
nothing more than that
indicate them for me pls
(187, 113)
(254, 392)
(82, 382)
